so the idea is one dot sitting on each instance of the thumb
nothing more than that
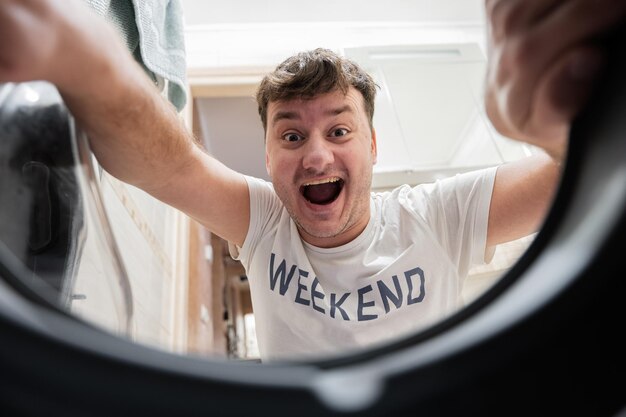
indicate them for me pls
(567, 85)
(561, 94)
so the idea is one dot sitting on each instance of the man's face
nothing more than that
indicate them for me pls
(320, 153)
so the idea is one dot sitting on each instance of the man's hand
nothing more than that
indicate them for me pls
(29, 39)
(136, 135)
(543, 60)
(49, 40)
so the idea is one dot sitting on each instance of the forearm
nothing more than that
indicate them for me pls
(522, 195)
(138, 137)
(135, 133)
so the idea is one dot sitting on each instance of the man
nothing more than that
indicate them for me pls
(330, 266)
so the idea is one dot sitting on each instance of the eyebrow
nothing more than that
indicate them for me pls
(292, 115)
(335, 112)
(287, 115)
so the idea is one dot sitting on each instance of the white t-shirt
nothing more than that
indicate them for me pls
(403, 272)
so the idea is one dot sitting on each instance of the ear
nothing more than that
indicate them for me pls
(267, 164)
(374, 147)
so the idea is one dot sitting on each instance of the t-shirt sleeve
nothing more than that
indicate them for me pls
(456, 209)
(264, 209)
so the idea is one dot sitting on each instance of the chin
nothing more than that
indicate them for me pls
(317, 232)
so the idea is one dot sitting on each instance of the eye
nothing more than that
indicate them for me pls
(339, 132)
(292, 137)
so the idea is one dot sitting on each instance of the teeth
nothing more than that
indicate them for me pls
(323, 181)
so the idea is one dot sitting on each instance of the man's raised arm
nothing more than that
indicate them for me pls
(544, 59)
(136, 135)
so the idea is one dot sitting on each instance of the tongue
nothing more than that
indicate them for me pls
(321, 193)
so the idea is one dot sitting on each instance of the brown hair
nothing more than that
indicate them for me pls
(308, 74)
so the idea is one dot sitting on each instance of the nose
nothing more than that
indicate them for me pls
(318, 154)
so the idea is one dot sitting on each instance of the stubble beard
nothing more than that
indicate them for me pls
(356, 212)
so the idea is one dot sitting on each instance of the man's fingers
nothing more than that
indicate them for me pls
(574, 23)
(565, 88)
(561, 94)
(524, 60)
(25, 42)
(509, 17)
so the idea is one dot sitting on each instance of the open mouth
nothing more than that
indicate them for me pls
(322, 192)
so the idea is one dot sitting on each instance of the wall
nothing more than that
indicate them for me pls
(133, 276)
(152, 242)
(211, 12)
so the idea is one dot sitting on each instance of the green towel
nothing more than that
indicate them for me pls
(154, 33)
